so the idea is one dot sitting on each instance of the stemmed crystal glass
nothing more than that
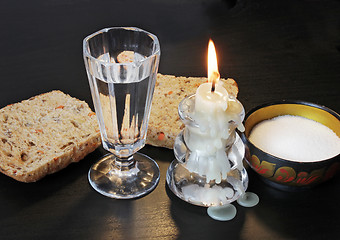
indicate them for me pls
(122, 64)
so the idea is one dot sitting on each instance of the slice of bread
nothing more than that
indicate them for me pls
(44, 134)
(164, 123)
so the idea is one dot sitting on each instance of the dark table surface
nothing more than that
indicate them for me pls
(287, 49)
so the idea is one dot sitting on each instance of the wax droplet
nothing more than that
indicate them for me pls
(222, 213)
(248, 199)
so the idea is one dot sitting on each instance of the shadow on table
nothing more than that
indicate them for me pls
(193, 221)
(62, 206)
(16, 196)
(307, 214)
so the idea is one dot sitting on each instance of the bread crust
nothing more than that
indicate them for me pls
(164, 123)
(44, 134)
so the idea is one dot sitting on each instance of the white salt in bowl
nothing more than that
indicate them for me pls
(290, 173)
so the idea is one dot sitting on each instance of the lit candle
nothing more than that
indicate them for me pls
(208, 141)
(211, 98)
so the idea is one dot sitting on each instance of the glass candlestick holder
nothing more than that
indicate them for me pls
(208, 171)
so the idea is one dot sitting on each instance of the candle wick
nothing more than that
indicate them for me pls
(214, 78)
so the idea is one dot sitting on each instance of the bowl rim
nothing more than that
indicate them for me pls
(285, 101)
(299, 102)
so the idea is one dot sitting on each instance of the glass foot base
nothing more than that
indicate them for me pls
(135, 182)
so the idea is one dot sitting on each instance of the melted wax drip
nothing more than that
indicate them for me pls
(222, 213)
(208, 156)
(248, 199)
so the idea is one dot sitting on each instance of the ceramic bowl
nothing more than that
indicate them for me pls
(286, 174)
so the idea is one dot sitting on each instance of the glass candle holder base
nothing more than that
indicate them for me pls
(127, 179)
(193, 188)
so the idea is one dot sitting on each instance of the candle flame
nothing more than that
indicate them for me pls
(213, 74)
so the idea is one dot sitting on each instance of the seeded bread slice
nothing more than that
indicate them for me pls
(44, 134)
(164, 123)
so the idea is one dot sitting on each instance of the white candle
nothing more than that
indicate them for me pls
(215, 113)
(208, 102)
(211, 101)
(208, 142)
(211, 116)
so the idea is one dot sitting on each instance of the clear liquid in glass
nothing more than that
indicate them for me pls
(122, 110)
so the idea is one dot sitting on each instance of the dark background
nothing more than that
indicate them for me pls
(284, 49)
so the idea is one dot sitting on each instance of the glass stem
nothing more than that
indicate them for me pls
(124, 163)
